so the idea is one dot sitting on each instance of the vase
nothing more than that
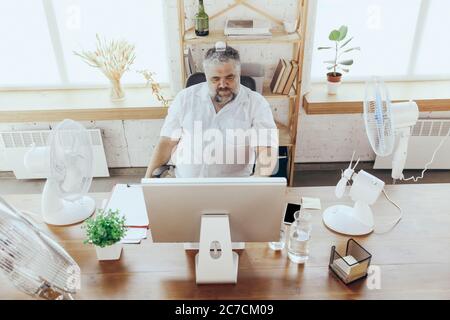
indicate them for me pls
(333, 82)
(111, 252)
(117, 93)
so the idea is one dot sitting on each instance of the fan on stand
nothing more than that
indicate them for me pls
(365, 190)
(383, 121)
(32, 261)
(67, 164)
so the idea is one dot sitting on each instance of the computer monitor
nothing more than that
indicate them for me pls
(214, 212)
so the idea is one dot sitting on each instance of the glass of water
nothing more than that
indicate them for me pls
(299, 235)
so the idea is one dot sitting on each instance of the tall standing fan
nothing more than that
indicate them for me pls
(67, 163)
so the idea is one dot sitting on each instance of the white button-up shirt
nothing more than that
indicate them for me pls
(218, 144)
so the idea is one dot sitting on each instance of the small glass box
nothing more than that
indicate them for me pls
(353, 265)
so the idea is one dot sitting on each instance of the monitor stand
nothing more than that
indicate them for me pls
(195, 245)
(215, 262)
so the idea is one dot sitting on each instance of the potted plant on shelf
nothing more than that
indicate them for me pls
(105, 231)
(338, 63)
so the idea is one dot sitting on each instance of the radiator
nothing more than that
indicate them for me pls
(425, 137)
(14, 145)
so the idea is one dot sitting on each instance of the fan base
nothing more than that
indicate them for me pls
(70, 212)
(343, 219)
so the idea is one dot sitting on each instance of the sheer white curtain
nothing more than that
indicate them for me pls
(399, 40)
(39, 37)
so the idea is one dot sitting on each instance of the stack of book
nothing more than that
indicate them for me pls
(284, 76)
(189, 63)
(249, 28)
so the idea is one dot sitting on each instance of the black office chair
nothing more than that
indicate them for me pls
(199, 77)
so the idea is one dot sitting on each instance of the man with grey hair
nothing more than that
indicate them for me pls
(219, 128)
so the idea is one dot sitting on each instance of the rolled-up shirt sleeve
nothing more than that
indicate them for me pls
(172, 127)
(264, 129)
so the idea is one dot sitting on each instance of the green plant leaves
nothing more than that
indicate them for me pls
(351, 49)
(334, 35)
(342, 33)
(105, 229)
(346, 42)
(346, 62)
(337, 36)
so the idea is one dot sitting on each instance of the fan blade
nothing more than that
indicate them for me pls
(73, 180)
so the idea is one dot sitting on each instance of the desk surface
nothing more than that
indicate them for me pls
(413, 259)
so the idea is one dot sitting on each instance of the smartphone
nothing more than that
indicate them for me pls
(291, 208)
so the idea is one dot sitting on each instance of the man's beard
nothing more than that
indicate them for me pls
(220, 99)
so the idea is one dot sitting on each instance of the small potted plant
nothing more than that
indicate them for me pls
(105, 231)
(338, 63)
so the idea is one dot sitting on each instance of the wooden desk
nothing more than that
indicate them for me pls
(414, 258)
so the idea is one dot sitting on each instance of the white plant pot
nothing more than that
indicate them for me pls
(112, 252)
(333, 87)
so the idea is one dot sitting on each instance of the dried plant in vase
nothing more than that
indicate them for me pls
(113, 58)
(156, 88)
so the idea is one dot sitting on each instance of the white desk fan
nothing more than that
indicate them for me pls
(33, 262)
(384, 120)
(67, 163)
(365, 190)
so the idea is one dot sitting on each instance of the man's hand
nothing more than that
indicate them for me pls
(266, 161)
(161, 154)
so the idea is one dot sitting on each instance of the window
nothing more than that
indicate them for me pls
(399, 40)
(41, 35)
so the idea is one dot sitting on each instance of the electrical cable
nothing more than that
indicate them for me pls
(396, 221)
(415, 179)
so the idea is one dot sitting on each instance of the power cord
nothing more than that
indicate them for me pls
(415, 179)
(396, 221)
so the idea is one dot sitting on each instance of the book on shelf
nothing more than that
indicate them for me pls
(189, 63)
(284, 78)
(277, 75)
(291, 78)
(247, 27)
